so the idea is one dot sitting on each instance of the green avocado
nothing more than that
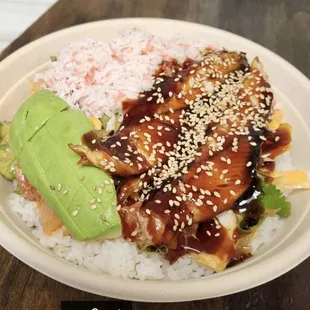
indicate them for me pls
(83, 197)
(7, 158)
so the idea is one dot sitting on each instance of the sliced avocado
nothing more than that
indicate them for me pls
(83, 197)
(4, 132)
(7, 158)
(32, 115)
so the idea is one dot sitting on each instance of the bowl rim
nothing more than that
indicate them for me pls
(154, 291)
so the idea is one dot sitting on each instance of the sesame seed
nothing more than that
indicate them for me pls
(217, 194)
(232, 193)
(52, 187)
(65, 192)
(177, 216)
(249, 163)
(148, 211)
(75, 212)
(134, 233)
(93, 141)
(277, 138)
(93, 207)
(118, 207)
(59, 187)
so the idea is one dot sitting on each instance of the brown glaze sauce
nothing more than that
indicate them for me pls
(209, 237)
(277, 142)
(249, 206)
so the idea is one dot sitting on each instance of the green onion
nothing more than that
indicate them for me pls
(104, 120)
(53, 58)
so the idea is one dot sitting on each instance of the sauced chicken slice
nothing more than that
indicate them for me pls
(49, 221)
(221, 172)
(155, 117)
(194, 198)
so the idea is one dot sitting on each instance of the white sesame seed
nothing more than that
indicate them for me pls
(232, 193)
(177, 216)
(75, 212)
(217, 194)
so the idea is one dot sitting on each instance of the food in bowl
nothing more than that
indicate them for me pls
(148, 159)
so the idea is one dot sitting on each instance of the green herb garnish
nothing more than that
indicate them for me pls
(273, 199)
(53, 58)
(104, 120)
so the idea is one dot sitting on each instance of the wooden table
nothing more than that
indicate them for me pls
(282, 26)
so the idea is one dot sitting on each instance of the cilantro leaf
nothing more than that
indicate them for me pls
(273, 199)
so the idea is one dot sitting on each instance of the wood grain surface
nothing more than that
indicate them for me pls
(282, 26)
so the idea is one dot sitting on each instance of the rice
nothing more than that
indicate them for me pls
(120, 258)
(96, 77)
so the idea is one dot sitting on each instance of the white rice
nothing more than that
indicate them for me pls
(96, 77)
(120, 258)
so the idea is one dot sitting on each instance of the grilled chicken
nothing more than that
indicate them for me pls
(198, 183)
(156, 116)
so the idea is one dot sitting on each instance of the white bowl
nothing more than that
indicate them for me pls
(288, 248)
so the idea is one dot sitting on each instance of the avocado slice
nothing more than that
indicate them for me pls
(7, 158)
(83, 197)
(32, 116)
